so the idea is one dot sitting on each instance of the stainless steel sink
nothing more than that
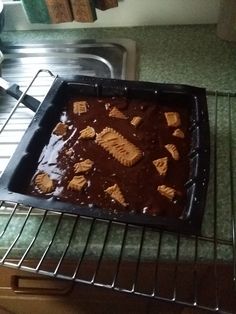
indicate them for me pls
(110, 59)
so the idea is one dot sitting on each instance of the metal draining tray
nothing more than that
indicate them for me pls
(114, 59)
(196, 271)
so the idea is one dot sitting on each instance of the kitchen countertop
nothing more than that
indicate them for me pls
(174, 54)
(184, 54)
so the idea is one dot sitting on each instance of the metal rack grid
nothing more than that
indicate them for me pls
(131, 259)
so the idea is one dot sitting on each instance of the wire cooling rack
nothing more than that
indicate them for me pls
(195, 271)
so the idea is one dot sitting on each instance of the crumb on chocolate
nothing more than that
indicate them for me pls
(178, 133)
(80, 107)
(116, 113)
(87, 133)
(136, 121)
(60, 129)
(167, 191)
(173, 119)
(83, 166)
(77, 183)
(173, 151)
(161, 165)
(44, 182)
(115, 193)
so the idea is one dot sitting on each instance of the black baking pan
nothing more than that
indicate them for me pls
(19, 172)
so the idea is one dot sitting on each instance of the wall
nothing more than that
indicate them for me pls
(130, 13)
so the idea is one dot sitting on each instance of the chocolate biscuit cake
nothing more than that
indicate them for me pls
(118, 154)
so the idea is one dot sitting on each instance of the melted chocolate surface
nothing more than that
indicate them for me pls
(138, 183)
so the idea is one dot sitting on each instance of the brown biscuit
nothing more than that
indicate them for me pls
(77, 183)
(167, 191)
(116, 113)
(80, 107)
(173, 151)
(87, 133)
(136, 121)
(120, 148)
(173, 119)
(83, 166)
(161, 165)
(178, 133)
(60, 129)
(44, 183)
(115, 193)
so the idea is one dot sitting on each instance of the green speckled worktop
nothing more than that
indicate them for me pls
(183, 54)
(175, 54)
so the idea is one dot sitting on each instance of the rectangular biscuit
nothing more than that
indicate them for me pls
(173, 119)
(119, 147)
(80, 107)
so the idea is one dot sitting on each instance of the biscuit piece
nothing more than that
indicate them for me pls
(107, 105)
(116, 113)
(115, 193)
(167, 191)
(161, 165)
(120, 148)
(44, 183)
(178, 133)
(69, 152)
(83, 166)
(80, 107)
(173, 119)
(60, 129)
(77, 183)
(136, 121)
(173, 151)
(87, 133)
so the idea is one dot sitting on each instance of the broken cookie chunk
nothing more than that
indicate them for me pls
(116, 113)
(107, 105)
(167, 191)
(178, 133)
(115, 193)
(136, 121)
(83, 166)
(77, 183)
(69, 152)
(119, 147)
(60, 129)
(173, 119)
(44, 183)
(173, 151)
(161, 165)
(87, 133)
(80, 107)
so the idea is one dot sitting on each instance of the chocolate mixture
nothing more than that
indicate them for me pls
(139, 183)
